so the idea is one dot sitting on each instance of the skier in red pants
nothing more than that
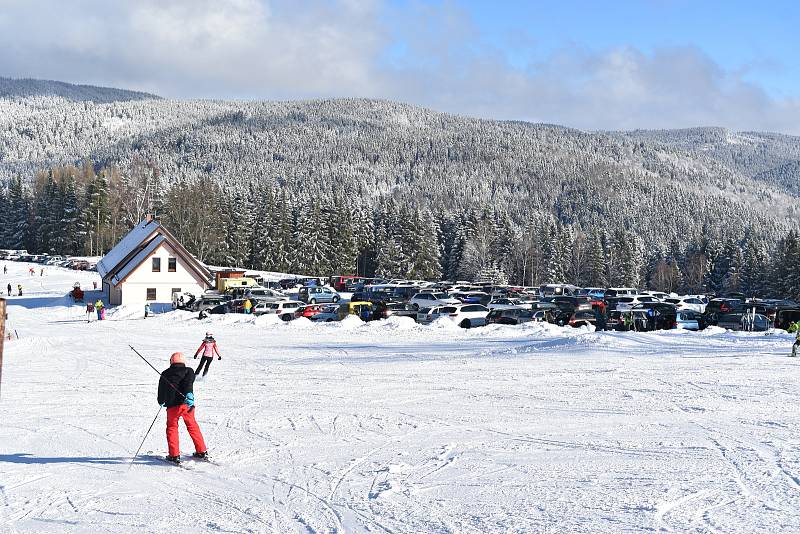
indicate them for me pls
(175, 393)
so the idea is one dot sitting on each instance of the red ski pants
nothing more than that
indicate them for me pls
(173, 441)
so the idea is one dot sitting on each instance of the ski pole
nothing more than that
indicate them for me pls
(145, 438)
(170, 384)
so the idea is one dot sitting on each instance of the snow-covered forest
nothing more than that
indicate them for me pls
(364, 186)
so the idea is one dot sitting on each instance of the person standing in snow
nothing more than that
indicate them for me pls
(146, 310)
(175, 393)
(98, 306)
(248, 306)
(89, 311)
(5, 269)
(19, 290)
(208, 348)
(9, 289)
(794, 328)
(41, 273)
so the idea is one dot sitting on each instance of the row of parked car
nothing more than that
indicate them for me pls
(78, 264)
(471, 305)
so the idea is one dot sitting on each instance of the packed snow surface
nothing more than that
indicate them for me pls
(393, 427)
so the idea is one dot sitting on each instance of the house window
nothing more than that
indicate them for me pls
(172, 265)
(176, 290)
(156, 265)
(151, 293)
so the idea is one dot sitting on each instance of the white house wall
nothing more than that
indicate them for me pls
(134, 287)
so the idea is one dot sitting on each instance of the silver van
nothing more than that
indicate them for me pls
(318, 294)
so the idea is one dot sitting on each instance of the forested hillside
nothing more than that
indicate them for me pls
(338, 186)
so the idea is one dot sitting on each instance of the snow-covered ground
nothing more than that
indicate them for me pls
(393, 427)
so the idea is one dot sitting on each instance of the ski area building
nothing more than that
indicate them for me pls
(149, 265)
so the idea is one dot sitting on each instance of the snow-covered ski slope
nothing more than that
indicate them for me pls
(393, 427)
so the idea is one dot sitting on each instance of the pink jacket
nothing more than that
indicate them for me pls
(208, 348)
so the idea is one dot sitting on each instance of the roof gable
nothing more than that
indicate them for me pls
(135, 247)
(129, 244)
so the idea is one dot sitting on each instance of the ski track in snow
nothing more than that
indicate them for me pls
(393, 427)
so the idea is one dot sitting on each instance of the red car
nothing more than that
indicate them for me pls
(308, 311)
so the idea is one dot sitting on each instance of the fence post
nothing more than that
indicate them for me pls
(2, 337)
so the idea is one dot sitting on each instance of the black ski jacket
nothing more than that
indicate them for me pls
(182, 378)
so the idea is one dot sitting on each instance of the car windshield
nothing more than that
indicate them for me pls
(674, 301)
(441, 296)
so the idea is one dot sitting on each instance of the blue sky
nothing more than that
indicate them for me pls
(591, 65)
(759, 38)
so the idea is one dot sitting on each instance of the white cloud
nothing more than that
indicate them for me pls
(423, 54)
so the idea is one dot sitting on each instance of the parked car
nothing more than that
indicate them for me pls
(214, 310)
(504, 303)
(308, 311)
(428, 300)
(570, 304)
(464, 315)
(383, 310)
(686, 319)
(428, 315)
(659, 295)
(620, 292)
(657, 315)
(513, 316)
(328, 314)
(687, 303)
(744, 321)
(592, 292)
(785, 317)
(265, 294)
(285, 309)
(628, 302)
(315, 294)
(473, 297)
(363, 310)
(208, 301)
(717, 307)
(582, 318)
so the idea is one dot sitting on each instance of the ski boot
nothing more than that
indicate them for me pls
(174, 459)
(200, 455)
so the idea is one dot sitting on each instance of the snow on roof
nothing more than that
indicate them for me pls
(138, 259)
(124, 248)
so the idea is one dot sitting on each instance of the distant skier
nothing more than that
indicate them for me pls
(794, 328)
(19, 290)
(208, 348)
(248, 307)
(175, 393)
(31, 271)
(146, 310)
(89, 311)
(94, 284)
(41, 273)
(98, 306)
(9, 289)
(5, 269)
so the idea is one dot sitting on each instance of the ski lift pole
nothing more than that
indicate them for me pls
(2, 336)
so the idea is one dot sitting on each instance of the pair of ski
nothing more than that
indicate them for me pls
(184, 464)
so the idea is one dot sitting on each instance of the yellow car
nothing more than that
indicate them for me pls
(358, 308)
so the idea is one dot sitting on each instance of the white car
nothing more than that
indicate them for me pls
(627, 303)
(688, 303)
(658, 294)
(464, 315)
(284, 309)
(428, 315)
(429, 300)
(505, 304)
